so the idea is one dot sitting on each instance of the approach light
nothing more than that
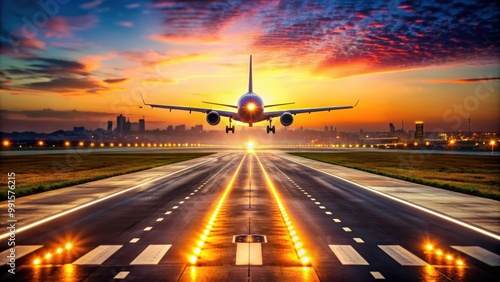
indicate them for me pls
(6, 143)
(40, 143)
(251, 106)
(66, 143)
(68, 246)
(37, 261)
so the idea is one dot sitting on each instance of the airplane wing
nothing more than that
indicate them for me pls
(191, 109)
(274, 114)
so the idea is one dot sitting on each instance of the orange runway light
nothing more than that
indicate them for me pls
(37, 261)
(68, 246)
(59, 250)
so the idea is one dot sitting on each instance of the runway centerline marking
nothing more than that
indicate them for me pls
(347, 229)
(421, 208)
(148, 228)
(160, 219)
(99, 200)
(122, 275)
(168, 212)
(377, 275)
(359, 240)
(337, 220)
(135, 240)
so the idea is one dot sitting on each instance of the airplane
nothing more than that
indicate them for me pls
(249, 109)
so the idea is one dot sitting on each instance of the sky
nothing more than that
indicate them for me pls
(67, 63)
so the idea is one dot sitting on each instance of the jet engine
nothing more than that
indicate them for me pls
(213, 118)
(286, 119)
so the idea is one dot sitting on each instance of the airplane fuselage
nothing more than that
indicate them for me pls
(250, 108)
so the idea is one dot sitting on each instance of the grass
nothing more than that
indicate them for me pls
(39, 173)
(469, 174)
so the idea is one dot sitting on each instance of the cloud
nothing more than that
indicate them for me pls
(63, 27)
(115, 80)
(467, 80)
(126, 23)
(91, 4)
(55, 114)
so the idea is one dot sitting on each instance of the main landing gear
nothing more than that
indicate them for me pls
(229, 128)
(271, 128)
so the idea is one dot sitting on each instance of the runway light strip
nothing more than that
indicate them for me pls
(47, 219)
(297, 244)
(445, 217)
(206, 232)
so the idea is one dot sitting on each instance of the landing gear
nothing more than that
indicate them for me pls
(271, 128)
(229, 128)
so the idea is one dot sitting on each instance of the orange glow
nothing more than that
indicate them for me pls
(6, 143)
(251, 107)
(67, 143)
(59, 250)
(48, 255)
(40, 143)
(68, 246)
(37, 261)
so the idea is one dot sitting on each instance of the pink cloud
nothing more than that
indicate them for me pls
(91, 4)
(126, 23)
(63, 27)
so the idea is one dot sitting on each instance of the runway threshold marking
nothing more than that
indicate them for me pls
(440, 215)
(5, 235)
(479, 253)
(21, 251)
(248, 254)
(151, 255)
(402, 256)
(98, 255)
(347, 255)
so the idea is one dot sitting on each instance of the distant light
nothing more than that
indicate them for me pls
(449, 257)
(48, 255)
(305, 260)
(439, 252)
(80, 144)
(197, 251)
(460, 262)
(429, 247)
(302, 252)
(92, 144)
(193, 259)
(37, 261)
(40, 143)
(68, 246)
(59, 250)
(492, 142)
(102, 145)
(67, 143)
(6, 143)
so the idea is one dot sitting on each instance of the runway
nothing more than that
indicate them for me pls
(191, 223)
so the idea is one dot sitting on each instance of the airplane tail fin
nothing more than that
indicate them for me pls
(250, 83)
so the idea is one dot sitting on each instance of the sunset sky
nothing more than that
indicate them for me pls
(81, 63)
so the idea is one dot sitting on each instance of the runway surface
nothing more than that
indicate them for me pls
(246, 216)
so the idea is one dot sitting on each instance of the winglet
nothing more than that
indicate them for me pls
(356, 104)
(143, 102)
(250, 83)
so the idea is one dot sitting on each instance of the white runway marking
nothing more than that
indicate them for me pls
(359, 240)
(402, 256)
(152, 254)
(26, 227)
(21, 251)
(479, 253)
(377, 275)
(347, 255)
(249, 253)
(440, 215)
(309, 196)
(98, 255)
(168, 212)
(322, 207)
(121, 275)
(181, 202)
(347, 229)
(135, 240)
(187, 198)
(148, 228)
(328, 213)
(317, 203)
(337, 220)
(160, 219)
(175, 207)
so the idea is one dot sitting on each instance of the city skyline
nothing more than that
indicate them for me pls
(83, 63)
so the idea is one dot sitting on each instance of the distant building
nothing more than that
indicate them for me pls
(331, 127)
(135, 127)
(419, 131)
(181, 127)
(392, 128)
(110, 126)
(142, 125)
(170, 128)
(126, 126)
(326, 128)
(79, 129)
(120, 123)
(197, 128)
